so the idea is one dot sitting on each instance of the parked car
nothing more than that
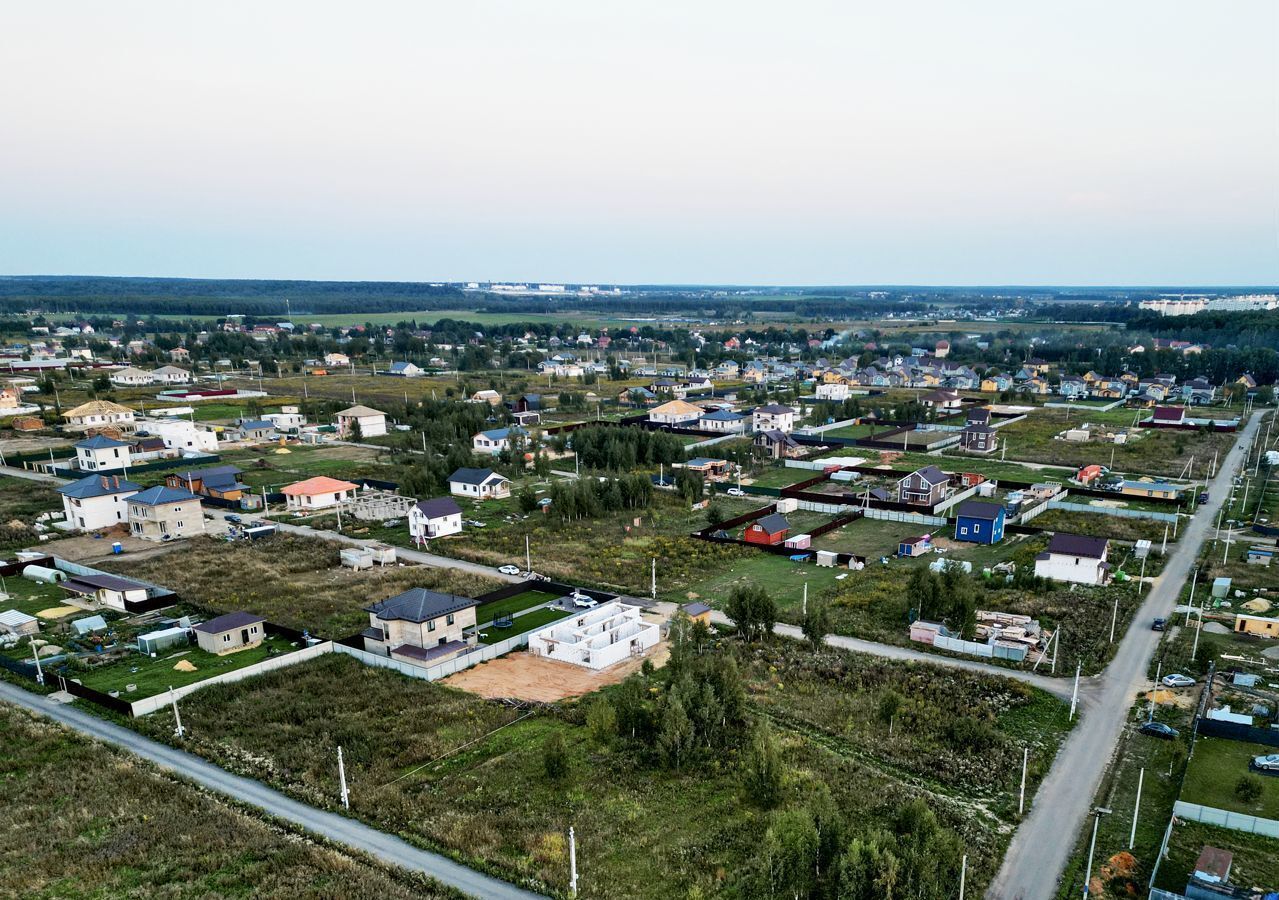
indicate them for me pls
(1267, 763)
(234, 519)
(475, 523)
(735, 492)
(1203, 498)
(1176, 681)
(509, 570)
(582, 601)
(1159, 730)
(1159, 624)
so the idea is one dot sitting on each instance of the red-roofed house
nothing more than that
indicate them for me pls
(316, 493)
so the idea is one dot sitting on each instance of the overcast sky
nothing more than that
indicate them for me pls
(931, 141)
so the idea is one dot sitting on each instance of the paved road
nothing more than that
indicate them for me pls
(1060, 687)
(32, 476)
(1043, 843)
(349, 832)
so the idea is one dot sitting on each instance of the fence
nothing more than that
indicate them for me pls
(1113, 511)
(181, 462)
(895, 515)
(1027, 514)
(1237, 731)
(440, 670)
(1210, 815)
(972, 648)
(954, 500)
(158, 596)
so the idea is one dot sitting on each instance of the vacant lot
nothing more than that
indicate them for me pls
(458, 780)
(523, 676)
(111, 825)
(291, 581)
(1101, 525)
(21, 500)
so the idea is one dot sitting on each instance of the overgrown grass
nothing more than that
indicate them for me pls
(21, 500)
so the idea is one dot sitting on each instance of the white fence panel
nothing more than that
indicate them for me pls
(895, 515)
(955, 499)
(1210, 815)
(1114, 511)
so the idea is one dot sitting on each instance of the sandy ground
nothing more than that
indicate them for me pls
(30, 443)
(522, 676)
(86, 548)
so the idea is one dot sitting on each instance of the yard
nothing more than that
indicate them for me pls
(81, 818)
(1215, 770)
(21, 500)
(1255, 861)
(492, 634)
(289, 580)
(487, 612)
(458, 781)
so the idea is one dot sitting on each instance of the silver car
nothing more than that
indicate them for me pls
(1176, 681)
(1267, 763)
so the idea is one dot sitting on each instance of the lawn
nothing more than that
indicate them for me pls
(154, 676)
(1255, 861)
(1101, 525)
(779, 477)
(487, 612)
(458, 781)
(522, 624)
(784, 580)
(290, 580)
(83, 819)
(1216, 768)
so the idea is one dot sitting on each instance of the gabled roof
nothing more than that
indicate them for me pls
(438, 507)
(13, 618)
(466, 475)
(931, 475)
(257, 425)
(775, 409)
(977, 428)
(320, 484)
(360, 412)
(419, 605)
(96, 408)
(723, 415)
(88, 584)
(161, 494)
(1169, 413)
(214, 476)
(98, 486)
(676, 408)
(99, 442)
(1077, 545)
(774, 523)
(776, 436)
(975, 509)
(229, 622)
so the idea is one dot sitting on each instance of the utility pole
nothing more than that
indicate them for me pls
(1074, 694)
(1025, 758)
(1163, 551)
(177, 717)
(1097, 814)
(1114, 614)
(1190, 604)
(963, 875)
(528, 556)
(1132, 835)
(346, 797)
(653, 588)
(805, 609)
(572, 861)
(39, 671)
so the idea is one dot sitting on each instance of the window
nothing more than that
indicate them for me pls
(964, 530)
(449, 620)
(226, 638)
(430, 626)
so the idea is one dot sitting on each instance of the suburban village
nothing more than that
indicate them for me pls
(809, 605)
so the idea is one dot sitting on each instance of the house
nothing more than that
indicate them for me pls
(289, 418)
(723, 420)
(320, 492)
(597, 638)
(217, 482)
(978, 439)
(1168, 415)
(637, 396)
(404, 370)
(164, 512)
(489, 396)
(180, 355)
(697, 612)
(1159, 489)
(773, 417)
(18, 624)
(924, 487)
(420, 626)
(434, 518)
(1258, 626)
(777, 445)
(498, 439)
(915, 546)
(361, 421)
(708, 468)
(98, 501)
(255, 430)
(101, 453)
(979, 523)
(97, 414)
(130, 377)
(527, 403)
(479, 484)
(336, 359)
(106, 590)
(676, 412)
(1076, 558)
(978, 415)
(769, 530)
(835, 391)
(171, 375)
(941, 349)
(230, 633)
(942, 401)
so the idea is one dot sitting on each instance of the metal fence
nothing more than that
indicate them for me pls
(1114, 511)
(972, 648)
(893, 515)
(441, 670)
(1210, 815)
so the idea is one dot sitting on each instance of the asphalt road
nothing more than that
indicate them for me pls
(1043, 843)
(349, 832)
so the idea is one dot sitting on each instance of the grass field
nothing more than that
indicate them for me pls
(479, 791)
(21, 500)
(154, 676)
(84, 820)
(291, 581)
(521, 624)
(1215, 769)
(487, 612)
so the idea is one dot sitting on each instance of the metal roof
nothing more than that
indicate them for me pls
(419, 605)
(229, 622)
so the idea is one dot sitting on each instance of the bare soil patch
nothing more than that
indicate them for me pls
(522, 676)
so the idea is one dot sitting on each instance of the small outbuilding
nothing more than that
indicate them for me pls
(18, 624)
(230, 633)
(769, 530)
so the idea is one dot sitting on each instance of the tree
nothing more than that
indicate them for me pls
(1248, 788)
(677, 735)
(714, 515)
(601, 721)
(555, 757)
(816, 623)
(527, 499)
(354, 432)
(752, 611)
(790, 849)
(763, 769)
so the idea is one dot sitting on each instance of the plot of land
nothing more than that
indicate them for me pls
(1215, 770)
(522, 676)
(487, 612)
(176, 669)
(492, 634)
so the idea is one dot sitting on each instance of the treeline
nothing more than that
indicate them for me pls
(622, 449)
(589, 498)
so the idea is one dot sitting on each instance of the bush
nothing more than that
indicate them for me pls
(555, 757)
(1248, 789)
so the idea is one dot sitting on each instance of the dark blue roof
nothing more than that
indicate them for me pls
(100, 442)
(472, 476)
(98, 486)
(161, 494)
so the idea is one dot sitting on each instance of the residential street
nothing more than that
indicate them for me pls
(1044, 842)
(349, 832)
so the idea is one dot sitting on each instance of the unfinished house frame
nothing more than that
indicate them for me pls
(597, 638)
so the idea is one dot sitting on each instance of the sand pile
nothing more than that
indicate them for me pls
(1216, 628)
(184, 665)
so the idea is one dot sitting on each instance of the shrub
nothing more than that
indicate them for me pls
(555, 757)
(1248, 788)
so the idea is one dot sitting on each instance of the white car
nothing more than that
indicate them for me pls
(1176, 681)
(509, 570)
(735, 492)
(1267, 763)
(581, 601)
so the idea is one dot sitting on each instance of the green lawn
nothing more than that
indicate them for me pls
(1255, 860)
(1216, 768)
(153, 676)
(522, 624)
(487, 612)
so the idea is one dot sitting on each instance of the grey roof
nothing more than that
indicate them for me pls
(100, 442)
(695, 609)
(426, 654)
(975, 509)
(773, 523)
(98, 486)
(1077, 545)
(980, 415)
(978, 428)
(931, 474)
(229, 622)
(472, 476)
(161, 494)
(438, 506)
(418, 605)
(774, 409)
(87, 584)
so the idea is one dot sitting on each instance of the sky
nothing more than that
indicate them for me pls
(928, 142)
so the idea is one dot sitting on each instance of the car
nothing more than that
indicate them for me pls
(1267, 763)
(475, 523)
(1203, 498)
(1160, 730)
(509, 570)
(1176, 681)
(581, 601)
(234, 519)
(1159, 624)
(735, 492)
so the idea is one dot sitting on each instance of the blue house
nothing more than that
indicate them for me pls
(979, 523)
